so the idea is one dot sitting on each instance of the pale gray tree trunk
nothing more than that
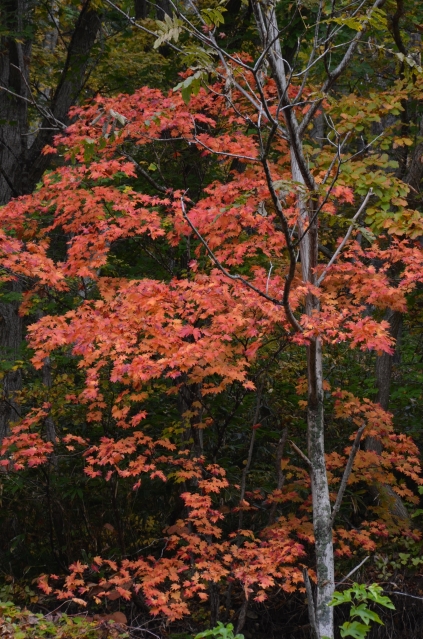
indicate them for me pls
(322, 512)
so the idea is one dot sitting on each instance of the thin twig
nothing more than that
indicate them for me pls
(334, 75)
(139, 26)
(347, 473)
(221, 267)
(144, 173)
(268, 277)
(292, 255)
(403, 594)
(250, 456)
(345, 240)
(352, 571)
(301, 454)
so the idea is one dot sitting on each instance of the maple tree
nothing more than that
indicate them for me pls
(278, 242)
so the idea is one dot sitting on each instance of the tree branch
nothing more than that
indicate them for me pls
(310, 602)
(345, 240)
(67, 90)
(226, 273)
(145, 174)
(292, 256)
(334, 75)
(353, 571)
(301, 454)
(281, 476)
(347, 473)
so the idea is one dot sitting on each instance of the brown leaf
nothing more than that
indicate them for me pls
(109, 527)
(177, 529)
(117, 617)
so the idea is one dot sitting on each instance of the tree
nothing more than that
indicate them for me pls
(247, 224)
(21, 159)
(50, 53)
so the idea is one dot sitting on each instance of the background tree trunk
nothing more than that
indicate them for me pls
(10, 343)
(14, 76)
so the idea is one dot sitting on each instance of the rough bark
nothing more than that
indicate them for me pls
(10, 343)
(15, 54)
(21, 165)
(414, 174)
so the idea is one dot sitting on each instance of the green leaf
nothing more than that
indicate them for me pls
(213, 17)
(168, 29)
(190, 86)
(365, 614)
(354, 629)
(375, 594)
(340, 598)
(367, 234)
(220, 632)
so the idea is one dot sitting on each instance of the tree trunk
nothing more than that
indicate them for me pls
(10, 342)
(14, 74)
(163, 7)
(384, 361)
(322, 523)
(15, 52)
(309, 245)
(141, 9)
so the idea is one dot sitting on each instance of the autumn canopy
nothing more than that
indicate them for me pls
(207, 274)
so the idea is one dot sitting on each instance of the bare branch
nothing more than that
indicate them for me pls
(345, 240)
(281, 476)
(137, 25)
(267, 24)
(224, 153)
(334, 75)
(353, 571)
(336, 157)
(250, 455)
(403, 594)
(347, 473)
(144, 173)
(310, 602)
(45, 113)
(222, 268)
(301, 454)
(292, 256)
